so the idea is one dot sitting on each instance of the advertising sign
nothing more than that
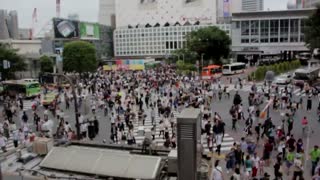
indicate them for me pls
(226, 8)
(126, 64)
(65, 29)
(89, 31)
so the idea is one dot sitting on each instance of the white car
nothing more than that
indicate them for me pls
(283, 79)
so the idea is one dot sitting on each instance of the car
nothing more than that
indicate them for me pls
(316, 86)
(283, 79)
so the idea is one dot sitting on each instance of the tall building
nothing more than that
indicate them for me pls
(12, 22)
(107, 12)
(252, 5)
(9, 25)
(4, 33)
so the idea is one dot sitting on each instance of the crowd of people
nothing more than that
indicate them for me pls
(130, 99)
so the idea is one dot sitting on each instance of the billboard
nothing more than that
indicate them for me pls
(89, 30)
(65, 29)
(126, 64)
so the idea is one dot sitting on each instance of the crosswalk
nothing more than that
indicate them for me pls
(260, 87)
(9, 145)
(140, 132)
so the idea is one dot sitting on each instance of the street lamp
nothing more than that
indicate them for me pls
(75, 101)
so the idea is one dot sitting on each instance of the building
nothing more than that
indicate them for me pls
(156, 42)
(4, 33)
(155, 28)
(24, 33)
(107, 13)
(252, 5)
(268, 32)
(9, 28)
(30, 50)
(74, 17)
(311, 3)
(12, 22)
(152, 13)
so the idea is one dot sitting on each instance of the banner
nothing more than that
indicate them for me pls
(226, 8)
(126, 64)
(66, 29)
(89, 31)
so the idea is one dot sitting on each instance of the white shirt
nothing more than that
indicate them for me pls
(216, 173)
(255, 161)
(3, 141)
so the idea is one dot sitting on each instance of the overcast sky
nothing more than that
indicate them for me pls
(87, 9)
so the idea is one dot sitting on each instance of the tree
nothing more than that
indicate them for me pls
(185, 54)
(46, 64)
(312, 30)
(79, 57)
(210, 41)
(16, 61)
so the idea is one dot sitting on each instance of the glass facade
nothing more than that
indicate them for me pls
(272, 30)
(151, 41)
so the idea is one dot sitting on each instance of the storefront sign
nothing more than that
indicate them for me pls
(250, 49)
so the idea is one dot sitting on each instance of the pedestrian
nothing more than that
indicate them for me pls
(216, 172)
(3, 143)
(315, 156)
(297, 168)
(309, 104)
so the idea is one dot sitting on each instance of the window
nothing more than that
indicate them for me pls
(254, 32)
(302, 28)
(244, 40)
(245, 28)
(294, 30)
(274, 30)
(284, 30)
(264, 31)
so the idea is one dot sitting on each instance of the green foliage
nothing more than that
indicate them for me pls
(312, 30)
(186, 54)
(279, 68)
(16, 62)
(185, 68)
(80, 57)
(210, 41)
(46, 64)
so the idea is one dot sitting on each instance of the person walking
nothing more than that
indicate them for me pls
(314, 156)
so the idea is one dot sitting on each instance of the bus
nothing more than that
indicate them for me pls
(26, 87)
(268, 59)
(211, 71)
(306, 75)
(234, 68)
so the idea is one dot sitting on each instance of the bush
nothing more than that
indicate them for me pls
(283, 67)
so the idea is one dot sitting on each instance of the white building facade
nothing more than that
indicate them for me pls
(157, 42)
(268, 32)
(155, 28)
(252, 5)
(163, 12)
